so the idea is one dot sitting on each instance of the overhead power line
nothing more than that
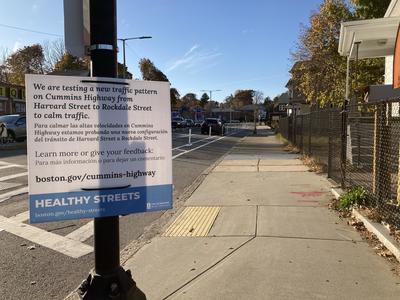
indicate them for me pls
(133, 51)
(29, 30)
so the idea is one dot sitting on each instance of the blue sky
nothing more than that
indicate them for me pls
(198, 44)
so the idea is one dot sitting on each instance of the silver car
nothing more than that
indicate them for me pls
(15, 126)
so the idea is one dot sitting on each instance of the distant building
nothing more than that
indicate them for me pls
(245, 113)
(297, 101)
(12, 99)
(225, 114)
(281, 105)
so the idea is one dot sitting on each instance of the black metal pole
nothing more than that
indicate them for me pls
(103, 38)
(108, 280)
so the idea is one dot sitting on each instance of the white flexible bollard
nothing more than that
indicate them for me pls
(209, 131)
(190, 137)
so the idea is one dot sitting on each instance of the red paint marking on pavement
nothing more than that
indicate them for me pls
(309, 194)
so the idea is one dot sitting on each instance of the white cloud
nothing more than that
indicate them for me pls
(194, 47)
(194, 58)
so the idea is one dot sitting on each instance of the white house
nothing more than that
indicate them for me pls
(371, 38)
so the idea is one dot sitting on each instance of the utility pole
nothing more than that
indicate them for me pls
(210, 91)
(123, 48)
(108, 280)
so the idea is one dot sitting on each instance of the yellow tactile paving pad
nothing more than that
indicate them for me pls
(193, 221)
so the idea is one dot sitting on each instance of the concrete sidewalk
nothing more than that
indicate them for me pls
(258, 227)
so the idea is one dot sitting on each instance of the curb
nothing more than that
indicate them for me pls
(337, 192)
(381, 233)
(376, 228)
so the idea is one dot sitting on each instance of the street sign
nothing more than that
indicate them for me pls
(76, 27)
(97, 147)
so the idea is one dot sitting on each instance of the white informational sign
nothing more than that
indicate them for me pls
(97, 147)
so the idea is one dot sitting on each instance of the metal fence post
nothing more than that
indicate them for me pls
(343, 147)
(384, 154)
(380, 113)
(294, 129)
(330, 130)
(358, 144)
(301, 132)
(309, 133)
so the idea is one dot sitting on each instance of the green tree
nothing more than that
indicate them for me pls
(28, 60)
(319, 72)
(121, 68)
(150, 71)
(174, 96)
(229, 101)
(190, 100)
(369, 9)
(269, 104)
(242, 98)
(321, 75)
(204, 99)
(70, 62)
(267, 100)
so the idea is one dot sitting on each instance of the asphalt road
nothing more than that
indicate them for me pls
(30, 270)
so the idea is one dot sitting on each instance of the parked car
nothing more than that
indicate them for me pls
(215, 124)
(198, 123)
(189, 123)
(178, 122)
(15, 126)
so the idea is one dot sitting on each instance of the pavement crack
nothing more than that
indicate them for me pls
(256, 225)
(310, 238)
(208, 269)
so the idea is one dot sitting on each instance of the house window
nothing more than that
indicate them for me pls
(19, 107)
(2, 91)
(282, 107)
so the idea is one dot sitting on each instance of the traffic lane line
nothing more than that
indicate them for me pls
(4, 164)
(46, 239)
(82, 233)
(201, 146)
(8, 195)
(21, 217)
(4, 178)
(193, 142)
(8, 166)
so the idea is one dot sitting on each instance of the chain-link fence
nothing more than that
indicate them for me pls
(359, 146)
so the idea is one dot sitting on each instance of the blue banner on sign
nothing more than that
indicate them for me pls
(98, 203)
